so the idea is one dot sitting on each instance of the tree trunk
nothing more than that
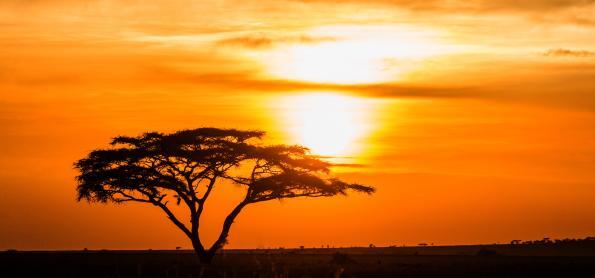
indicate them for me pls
(222, 239)
(204, 257)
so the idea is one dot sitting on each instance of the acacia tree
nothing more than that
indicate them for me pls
(182, 169)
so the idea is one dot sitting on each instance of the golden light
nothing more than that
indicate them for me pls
(329, 124)
(356, 55)
(341, 63)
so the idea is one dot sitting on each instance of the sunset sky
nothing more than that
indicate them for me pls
(475, 119)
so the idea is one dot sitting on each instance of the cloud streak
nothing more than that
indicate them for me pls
(562, 52)
(471, 5)
(261, 41)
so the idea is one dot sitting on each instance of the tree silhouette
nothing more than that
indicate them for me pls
(182, 168)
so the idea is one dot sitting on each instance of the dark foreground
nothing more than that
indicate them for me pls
(455, 261)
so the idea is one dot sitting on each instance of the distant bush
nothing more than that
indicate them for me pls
(547, 240)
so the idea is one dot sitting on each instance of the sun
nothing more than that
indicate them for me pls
(338, 63)
(328, 124)
(355, 55)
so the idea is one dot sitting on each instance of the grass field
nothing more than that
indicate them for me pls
(547, 260)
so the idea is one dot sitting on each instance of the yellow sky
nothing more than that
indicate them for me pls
(474, 119)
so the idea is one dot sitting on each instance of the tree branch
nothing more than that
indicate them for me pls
(218, 244)
(209, 188)
(287, 196)
(173, 218)
(170, 214)
(201, 203)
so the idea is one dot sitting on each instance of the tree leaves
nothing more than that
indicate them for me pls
(184, 166)
(155, 162)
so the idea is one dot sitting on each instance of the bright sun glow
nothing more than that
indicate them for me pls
(329, 124)
(355, 55)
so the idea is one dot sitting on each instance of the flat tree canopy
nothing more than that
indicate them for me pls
(182, 168)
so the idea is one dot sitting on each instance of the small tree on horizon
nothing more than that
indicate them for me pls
(182, 168)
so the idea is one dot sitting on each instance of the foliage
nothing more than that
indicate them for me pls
(182, 168)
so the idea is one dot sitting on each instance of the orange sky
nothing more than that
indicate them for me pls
(474, 119)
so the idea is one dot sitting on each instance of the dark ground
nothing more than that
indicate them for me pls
(536, 260)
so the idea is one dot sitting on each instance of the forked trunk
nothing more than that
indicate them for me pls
(205, 259)
(204, 256)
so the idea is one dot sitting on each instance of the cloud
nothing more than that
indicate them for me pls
(533, 5)
(562, 52)
(563, 86)
(261, 41)
(242, 81)
(470, 5)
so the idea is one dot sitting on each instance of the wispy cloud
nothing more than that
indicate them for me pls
(471, 5)
(564, 86)
(262, 41)
(562, 52)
